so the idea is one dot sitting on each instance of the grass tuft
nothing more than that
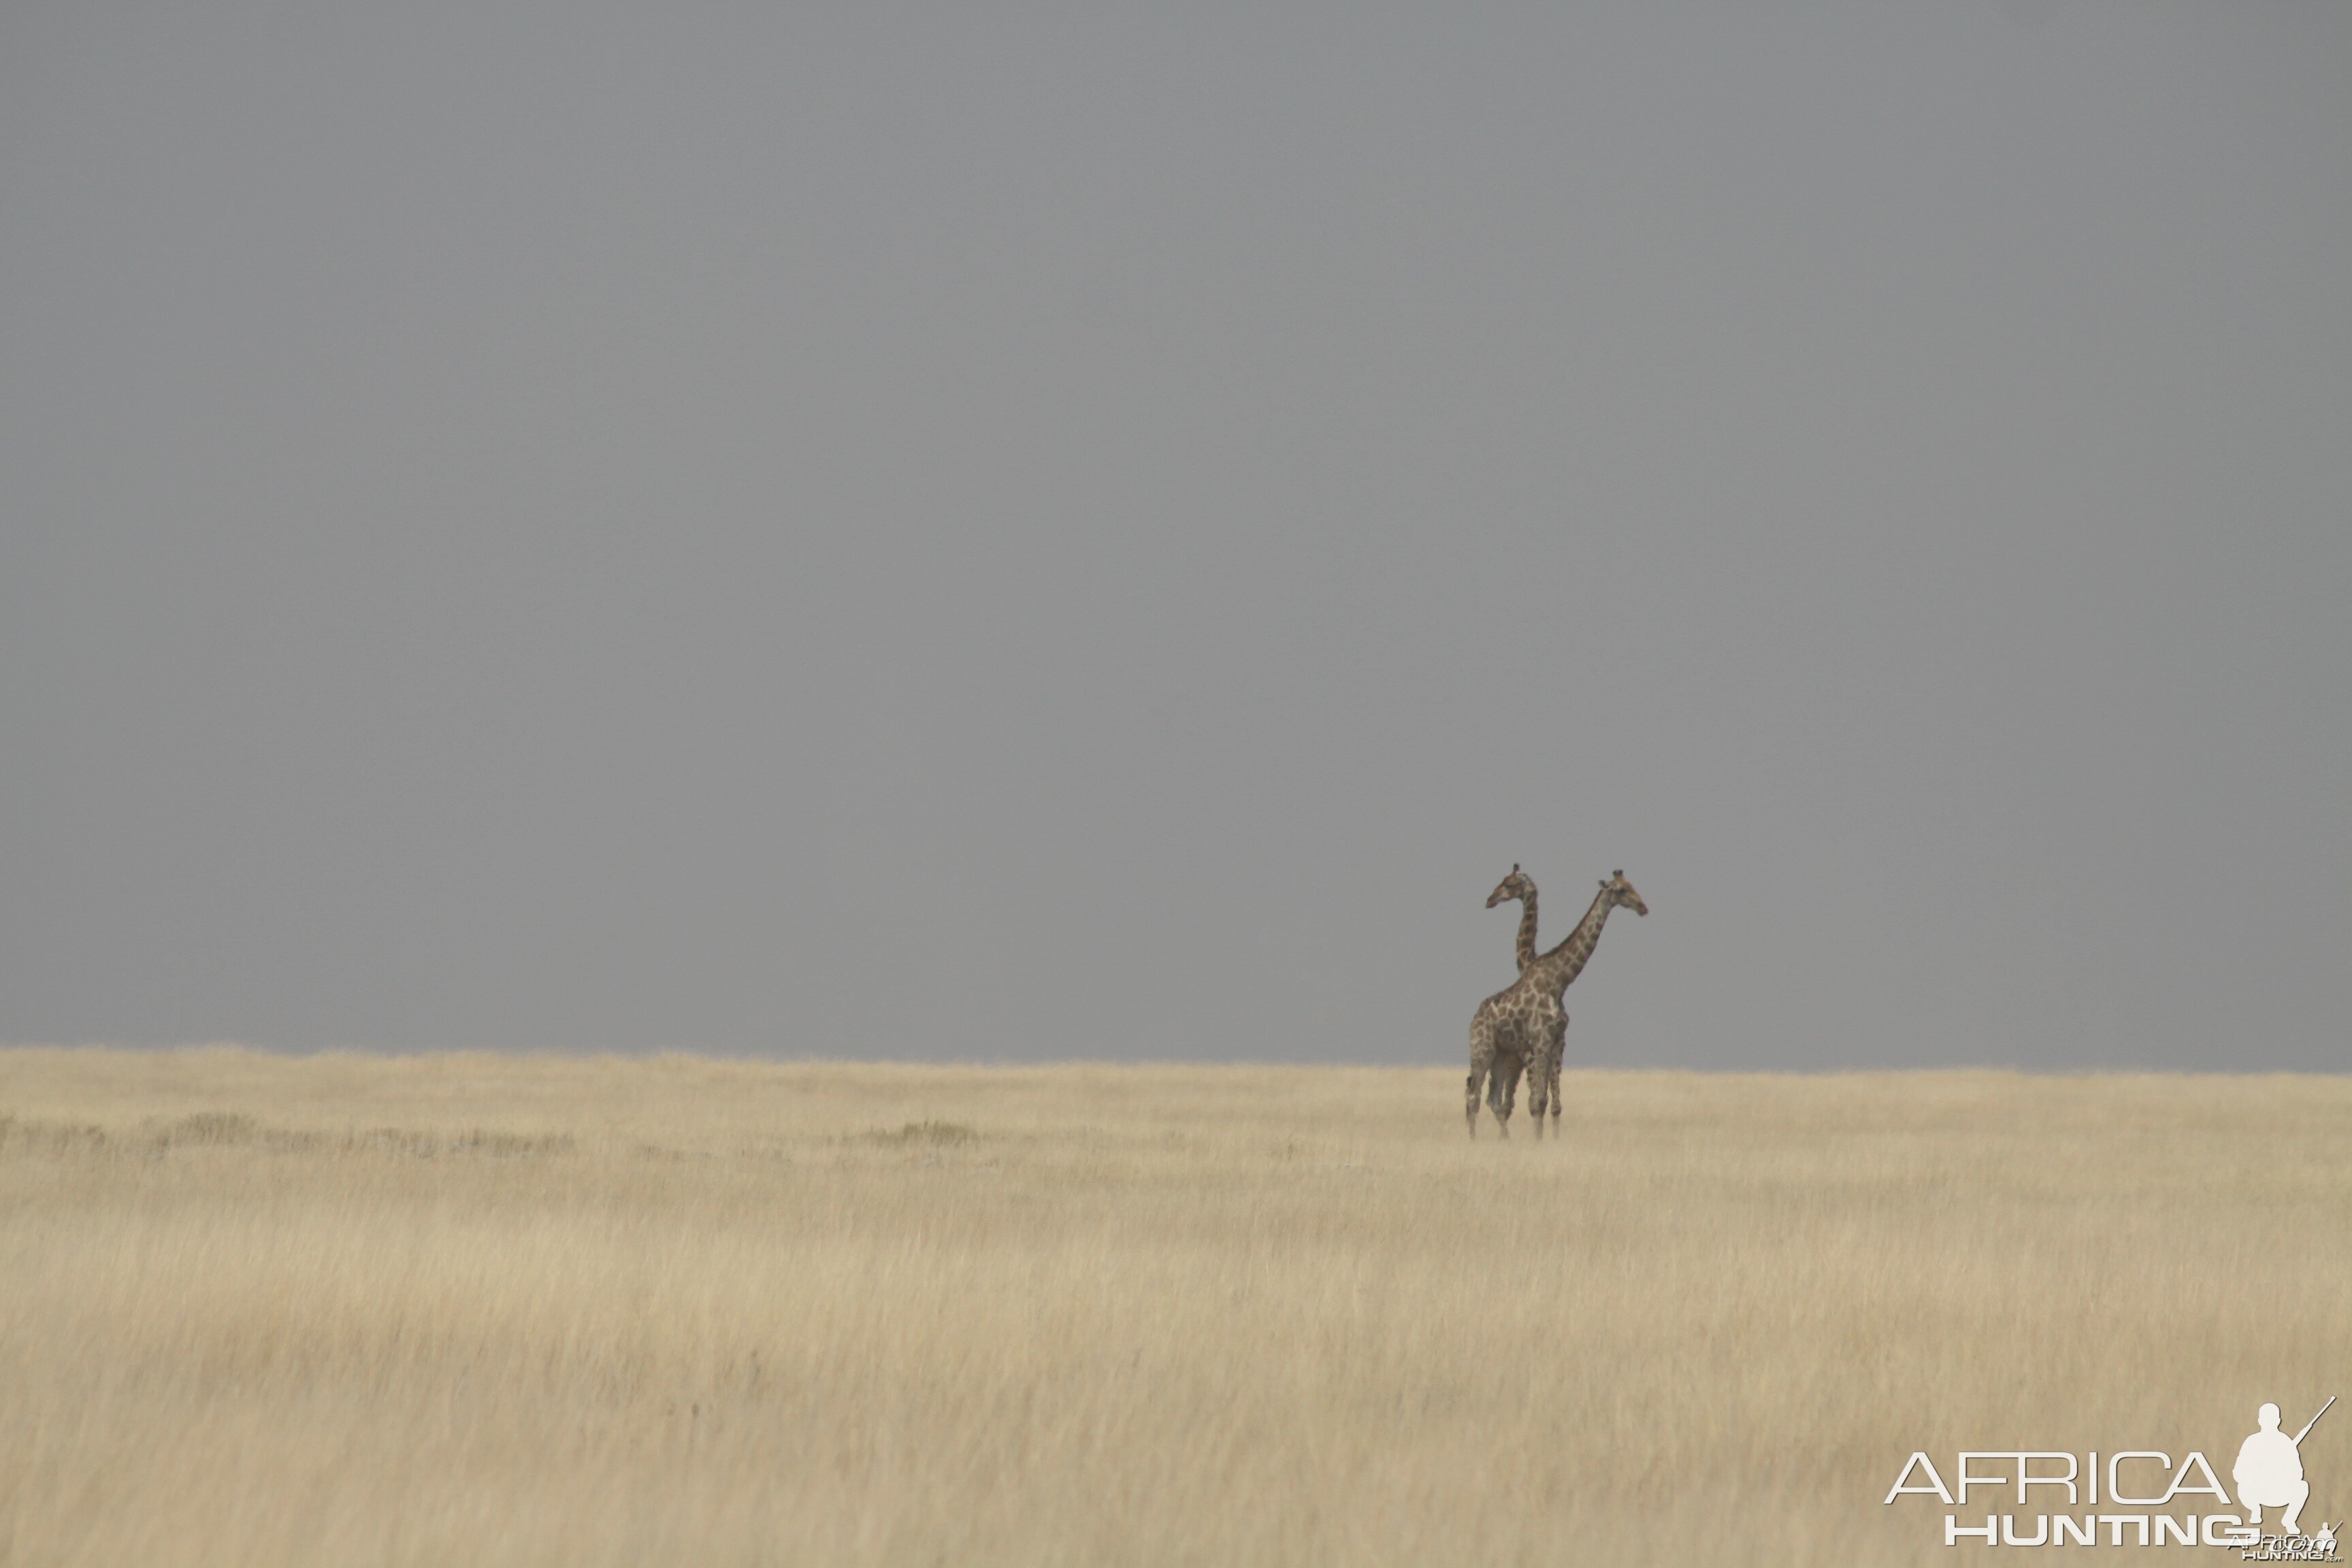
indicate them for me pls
(934, 1132)
(228, 1129)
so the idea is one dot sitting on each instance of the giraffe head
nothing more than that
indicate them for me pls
(1620, 893)
(1518, 885)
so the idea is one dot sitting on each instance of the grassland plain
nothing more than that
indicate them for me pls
(485, 1309)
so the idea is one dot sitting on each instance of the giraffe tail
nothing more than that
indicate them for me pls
(1495, 1094)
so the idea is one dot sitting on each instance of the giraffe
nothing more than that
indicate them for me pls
(1523, 1028)
(1520, 885)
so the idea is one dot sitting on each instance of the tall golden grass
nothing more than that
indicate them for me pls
(482, 1308)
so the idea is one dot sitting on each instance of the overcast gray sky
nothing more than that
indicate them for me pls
(1009, 532)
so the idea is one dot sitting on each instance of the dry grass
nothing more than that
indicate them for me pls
(482, 1308)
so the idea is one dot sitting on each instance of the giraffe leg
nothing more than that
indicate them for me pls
(1539, 1082)
(1506, 1070)
(1503, 1094)
(1482, 1062)
(1558, 1052)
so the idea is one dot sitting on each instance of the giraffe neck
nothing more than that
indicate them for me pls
(1566, 962)
(1527, 929)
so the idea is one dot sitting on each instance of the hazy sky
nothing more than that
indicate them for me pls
(1011, 532)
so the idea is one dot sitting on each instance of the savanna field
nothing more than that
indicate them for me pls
(480, 1309)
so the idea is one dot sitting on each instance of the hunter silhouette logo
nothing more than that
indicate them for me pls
(2268, 1471)
(2268, 1475)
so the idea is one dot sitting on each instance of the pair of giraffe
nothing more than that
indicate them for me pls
(1524, 1029)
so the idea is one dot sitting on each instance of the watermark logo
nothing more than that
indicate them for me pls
(2162, 1498)
(2268, 1471)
